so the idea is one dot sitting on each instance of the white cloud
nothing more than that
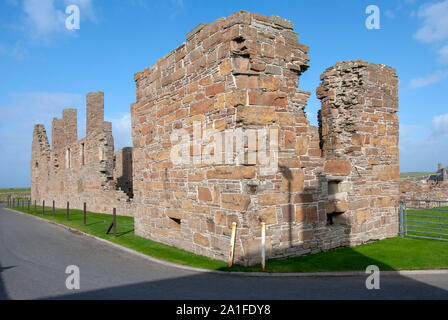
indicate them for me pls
(435, 22)
(121, 130)
(440, 125)
(42, 18)
(422, 150)
(428, 80)
(435, 27)
(17, 120)
(443, 54)
(46, 18)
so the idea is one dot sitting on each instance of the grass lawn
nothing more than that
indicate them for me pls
(389, 254)
(405, 175)
(22, 193)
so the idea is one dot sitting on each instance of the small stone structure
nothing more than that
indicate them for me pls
(333, 185)
(434, 187)
(85, 170)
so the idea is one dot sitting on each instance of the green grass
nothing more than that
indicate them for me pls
(406, 175)
(14, 190)
(389, 254)
(22, 193)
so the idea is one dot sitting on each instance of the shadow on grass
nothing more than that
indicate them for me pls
(163, 282)
(389, 254)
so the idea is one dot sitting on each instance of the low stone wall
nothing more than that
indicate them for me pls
(423, 189)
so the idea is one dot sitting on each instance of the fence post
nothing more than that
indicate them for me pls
(43, 207)
(85, 212)
(401, 218)
(35, 208)
(263, 246)
(54, 204)
(232, 245)
(29, 203)
(68, 211)
(115, 222)
(23, 204)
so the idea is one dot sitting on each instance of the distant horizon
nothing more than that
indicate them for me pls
(47, 68)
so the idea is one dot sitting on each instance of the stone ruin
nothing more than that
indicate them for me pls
(334, 185)
(85, 170)
(433, 187)
(233, 82)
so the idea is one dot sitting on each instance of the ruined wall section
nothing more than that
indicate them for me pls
(416, 189)
(123, 170)
(80, 171)
(240, 72)
(359, 138)
(40, 161)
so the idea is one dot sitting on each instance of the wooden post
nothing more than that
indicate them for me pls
(263, 246)
(43, 207)
(68, 211)
(232, 244)
(54, 209)
(23, 204)
(85, 212)
(29, 203)
(35, 207)
(115, 222)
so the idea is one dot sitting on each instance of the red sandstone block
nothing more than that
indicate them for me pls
(337, 167)
(215, 89)
(204, 194)
(235, 201)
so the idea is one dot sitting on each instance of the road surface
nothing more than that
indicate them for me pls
(35, 254)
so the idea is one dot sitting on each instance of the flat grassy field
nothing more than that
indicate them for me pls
(406, 175)
(390, 254)
(23, 193)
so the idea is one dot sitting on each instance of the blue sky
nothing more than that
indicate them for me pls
(44, 67)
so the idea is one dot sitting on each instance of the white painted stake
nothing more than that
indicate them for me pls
(232, 244)
(263, 246)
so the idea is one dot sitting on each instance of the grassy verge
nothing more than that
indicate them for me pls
(406, 175)
(389, 254)
(22, 193)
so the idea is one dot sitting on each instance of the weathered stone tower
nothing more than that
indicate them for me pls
(319, 188)
(359, 139)
(83, 170)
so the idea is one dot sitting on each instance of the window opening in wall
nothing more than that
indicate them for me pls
(176, 222)
(102, 154)
(82, 154)
(68, 156)
(336, 205)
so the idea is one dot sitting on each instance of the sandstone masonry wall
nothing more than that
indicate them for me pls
(242, 73)
(78, 171)
(359, 138)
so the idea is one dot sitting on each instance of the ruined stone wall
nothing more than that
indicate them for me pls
(78, 171)
(123, 170)
(241, 74)
(415, 189)
(359, 138)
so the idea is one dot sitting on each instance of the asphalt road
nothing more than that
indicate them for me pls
(34, 256)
